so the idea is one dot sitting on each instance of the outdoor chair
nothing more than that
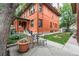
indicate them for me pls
(42, 42)
(35, 40)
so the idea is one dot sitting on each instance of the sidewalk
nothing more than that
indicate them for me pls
(72, 46)
(40, 50)
(55, 44)
(51, 49)
(49, 33)
(72, 41)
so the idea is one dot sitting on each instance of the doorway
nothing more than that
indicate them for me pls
(22, 24)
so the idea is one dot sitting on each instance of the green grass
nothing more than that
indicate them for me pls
(61, 38)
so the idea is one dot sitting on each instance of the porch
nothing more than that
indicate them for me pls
(21, 24)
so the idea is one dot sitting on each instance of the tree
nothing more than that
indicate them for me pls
(6, 16)
(67, 17)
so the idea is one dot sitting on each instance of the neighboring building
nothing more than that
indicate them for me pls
(38, 17)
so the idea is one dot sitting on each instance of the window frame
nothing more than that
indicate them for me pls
(20, 23)
(40, 23)
(50, 24)
(32, 23)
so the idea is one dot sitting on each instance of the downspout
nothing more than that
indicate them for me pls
(37, 23)
(42, 19)
(37, 19)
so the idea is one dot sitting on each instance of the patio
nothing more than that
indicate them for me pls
(40, 50)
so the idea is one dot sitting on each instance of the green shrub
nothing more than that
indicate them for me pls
(9, 41)
(21, 36)
(13, 38)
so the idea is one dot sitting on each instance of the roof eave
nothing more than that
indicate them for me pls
(52, 9)
(23, 19)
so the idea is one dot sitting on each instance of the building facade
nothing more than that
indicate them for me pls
(38, 18)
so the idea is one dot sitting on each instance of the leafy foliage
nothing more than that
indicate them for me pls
(15, 37)
(67, 17)
(1, 6)
(20, 9)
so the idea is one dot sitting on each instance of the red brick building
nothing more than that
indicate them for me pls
(38, 18)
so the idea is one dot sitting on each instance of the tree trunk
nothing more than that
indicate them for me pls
(6, 17)
(67, 26)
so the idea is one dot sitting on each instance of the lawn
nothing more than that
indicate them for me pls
(61, 38)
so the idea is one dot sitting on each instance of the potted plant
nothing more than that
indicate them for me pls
(23, 45)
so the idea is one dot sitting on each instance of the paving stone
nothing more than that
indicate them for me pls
(41, 51)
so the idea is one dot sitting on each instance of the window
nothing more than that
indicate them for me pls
(32, 23)
(55, 25)
(50, 24)
(31, 10)
(40, 23)
(40, 7)
(20, 23)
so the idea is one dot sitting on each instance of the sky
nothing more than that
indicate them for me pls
(56, 5)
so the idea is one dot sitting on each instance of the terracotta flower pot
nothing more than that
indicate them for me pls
(23, 46)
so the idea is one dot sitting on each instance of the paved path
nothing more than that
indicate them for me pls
(51, 49)
(72, 41)
(49, 33)
(72, 46)
(41, 51)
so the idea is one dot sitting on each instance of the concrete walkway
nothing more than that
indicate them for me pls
(49, 33)
(72, 46)
(41, 51)
(51, 49)
(72, 41)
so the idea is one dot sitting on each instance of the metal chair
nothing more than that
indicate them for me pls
(43, 42)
